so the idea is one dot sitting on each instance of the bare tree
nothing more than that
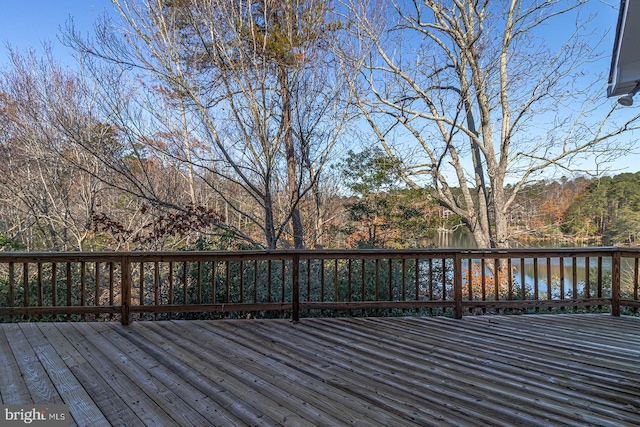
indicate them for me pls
(47, 202)
(474, 95)
(65, 173)
(218, 87)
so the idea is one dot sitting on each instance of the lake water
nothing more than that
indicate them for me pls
(464, 239)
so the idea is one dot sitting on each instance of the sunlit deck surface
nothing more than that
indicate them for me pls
(533, 370)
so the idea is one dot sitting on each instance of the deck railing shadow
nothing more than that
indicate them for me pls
(295, 284)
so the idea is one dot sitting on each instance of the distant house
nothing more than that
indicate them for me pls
(518, 214)
(445, 213)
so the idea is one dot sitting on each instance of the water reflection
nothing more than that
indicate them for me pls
(542, 274)
(560, 276)
(462, 238)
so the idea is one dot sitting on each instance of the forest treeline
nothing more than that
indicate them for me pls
(582, 210)
(54, 202)
(209, 124)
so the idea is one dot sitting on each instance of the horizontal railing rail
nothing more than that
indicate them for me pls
(455, 282)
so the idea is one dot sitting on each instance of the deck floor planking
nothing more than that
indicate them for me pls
(564, 370)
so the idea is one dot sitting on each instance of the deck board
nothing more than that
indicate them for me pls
(109, 374)
(32, 371)
(13, 389)
(93, 383)
(66, 384)
(298, 388)
(552, 370)
(257, 387)
(203, 376)
(209, 412)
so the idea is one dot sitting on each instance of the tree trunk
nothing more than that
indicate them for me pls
(269, 227)
(501, 235)
(292, 179)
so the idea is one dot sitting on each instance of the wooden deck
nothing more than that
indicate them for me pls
(544, 370)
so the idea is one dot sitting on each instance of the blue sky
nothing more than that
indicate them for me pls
(29, 23)
(25, 23)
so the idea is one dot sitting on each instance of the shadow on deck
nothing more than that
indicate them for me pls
(581, 370)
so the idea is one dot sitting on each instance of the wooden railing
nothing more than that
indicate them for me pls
(112, 286)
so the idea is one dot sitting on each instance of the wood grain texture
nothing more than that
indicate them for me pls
(13, 389)
(551, 370)
(34, 374)
(81, 406)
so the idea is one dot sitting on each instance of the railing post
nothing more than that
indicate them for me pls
(295, 291)
(125, 272)
(457, 285)
(615, 283)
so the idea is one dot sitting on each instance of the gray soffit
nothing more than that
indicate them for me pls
(625, 61)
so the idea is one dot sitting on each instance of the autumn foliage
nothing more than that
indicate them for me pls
(479, 281)
(176, 223)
